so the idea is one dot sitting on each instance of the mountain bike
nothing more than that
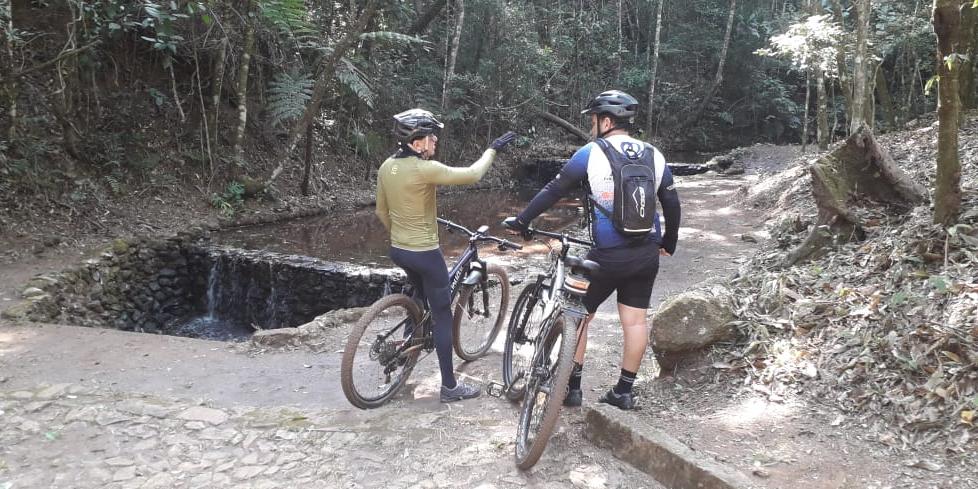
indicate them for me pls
(541, 339)
(388, 340)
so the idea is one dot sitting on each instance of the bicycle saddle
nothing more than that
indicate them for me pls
(582, 266)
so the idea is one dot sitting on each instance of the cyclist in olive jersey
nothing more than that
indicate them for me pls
(406, 186)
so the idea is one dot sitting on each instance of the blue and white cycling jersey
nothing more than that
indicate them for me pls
(590, 163)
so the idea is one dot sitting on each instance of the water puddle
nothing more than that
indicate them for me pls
(360, 237)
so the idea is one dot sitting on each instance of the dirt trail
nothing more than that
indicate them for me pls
(415, 430)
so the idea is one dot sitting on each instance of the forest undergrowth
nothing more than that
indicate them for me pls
(883, 329)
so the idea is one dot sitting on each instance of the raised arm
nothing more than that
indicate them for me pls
(441, 174)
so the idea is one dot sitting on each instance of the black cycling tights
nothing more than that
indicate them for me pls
(427, 272)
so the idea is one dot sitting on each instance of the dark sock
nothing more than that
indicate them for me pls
(575, 378)
(625, 381)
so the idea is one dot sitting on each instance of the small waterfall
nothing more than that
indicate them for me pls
(271, 301)
(387, 286)
(212, 284)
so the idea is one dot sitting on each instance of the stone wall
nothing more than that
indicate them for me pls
(274, 290)
(139, 284)
(158, 285)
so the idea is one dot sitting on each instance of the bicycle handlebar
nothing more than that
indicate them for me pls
(503, 243)
(561, 237)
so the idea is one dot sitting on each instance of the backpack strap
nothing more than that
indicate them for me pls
(605, 147)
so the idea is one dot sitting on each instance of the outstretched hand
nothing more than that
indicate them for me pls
(502, 141)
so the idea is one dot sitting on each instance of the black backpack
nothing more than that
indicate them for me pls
(633, 214)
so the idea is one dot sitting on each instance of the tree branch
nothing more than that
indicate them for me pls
(44, 65)
(567, 126)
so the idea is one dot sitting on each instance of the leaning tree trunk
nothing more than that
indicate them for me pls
(452, 54)
(243, 68)
(857, 114)
(327, 70)
(969, 45)
(719, 77)
(947, 194)
(823, 110)
(563, 124)
(858, 171)
(650, 123)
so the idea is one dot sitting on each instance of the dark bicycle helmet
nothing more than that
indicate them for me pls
(615, 103)
(415, 124)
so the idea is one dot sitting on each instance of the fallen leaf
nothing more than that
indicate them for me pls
(924, 464)
(968, 416)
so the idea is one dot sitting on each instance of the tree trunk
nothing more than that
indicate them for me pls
(327, 70)
(424, 19)
(243, 68)
(808, 103)
(857, 114)
(308, 166)
(216, 88)
(655, 66)
(567, 126)
(452, 54)
(886, 102)
(947, 194)
(969, 46)
(719, 77)
(823, 110)
(860, 167)
(845, 83)
(9, 86)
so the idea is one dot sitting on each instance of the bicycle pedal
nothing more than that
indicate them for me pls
(495, 389)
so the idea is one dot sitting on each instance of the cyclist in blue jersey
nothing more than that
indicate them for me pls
(628, 264)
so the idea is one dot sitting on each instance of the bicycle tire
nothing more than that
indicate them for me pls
(471, 336)
(389, 308)
(528, 455)
(517, 337)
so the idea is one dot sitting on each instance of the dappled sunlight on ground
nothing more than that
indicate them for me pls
(754, 411)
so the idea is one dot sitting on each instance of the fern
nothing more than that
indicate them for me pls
(288, 95)
(356, 81)
(289, 16)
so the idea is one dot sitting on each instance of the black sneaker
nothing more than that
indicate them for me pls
(459, 392)
(621, 401)
(573, 398)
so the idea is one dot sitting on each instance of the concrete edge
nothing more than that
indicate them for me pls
(654, 452)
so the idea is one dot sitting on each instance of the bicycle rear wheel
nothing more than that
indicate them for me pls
(524, 324)
(480, 310)
(381, 351)
(546, 389)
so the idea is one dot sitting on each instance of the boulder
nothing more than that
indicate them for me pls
(275, 337)
(690, 322)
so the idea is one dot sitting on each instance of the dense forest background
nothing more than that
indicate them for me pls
(108, 97)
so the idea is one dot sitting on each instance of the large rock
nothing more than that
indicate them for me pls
(690, 322)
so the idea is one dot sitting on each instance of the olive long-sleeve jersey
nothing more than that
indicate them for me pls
(406, 200)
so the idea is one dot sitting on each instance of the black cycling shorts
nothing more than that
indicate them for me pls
(631, 278)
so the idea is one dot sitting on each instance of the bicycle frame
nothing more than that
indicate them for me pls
(462, 272)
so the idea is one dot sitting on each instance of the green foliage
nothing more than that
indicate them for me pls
(288, 94)
(230, 201)
(811, 44)
(356, 81)
(288, 16)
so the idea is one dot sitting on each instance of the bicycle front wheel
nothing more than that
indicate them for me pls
(381, 351)
(524, 325)
(480, 310)
(546, 389)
